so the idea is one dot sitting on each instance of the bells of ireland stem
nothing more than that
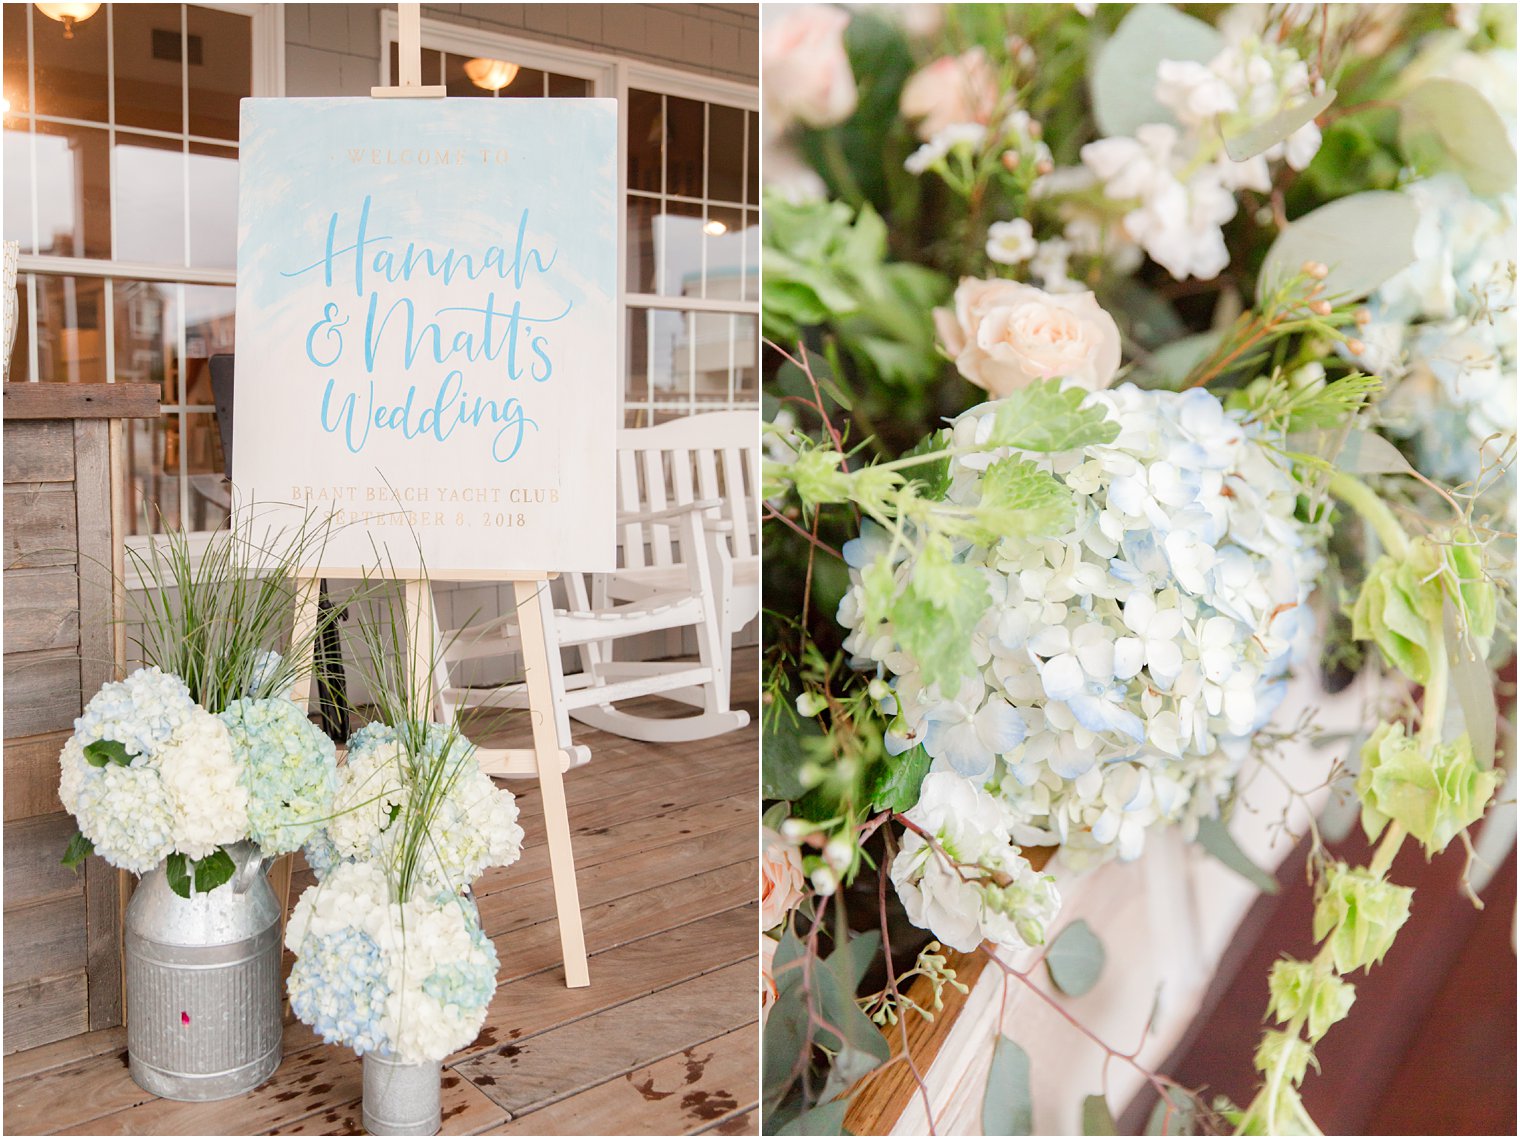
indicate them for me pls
(1433, 793)
(1360, 913)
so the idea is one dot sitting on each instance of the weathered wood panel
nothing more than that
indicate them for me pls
(41, 610)
(31, 776)
(104, 896)
(39, 450)
(45, 939)
(41, 691)
(92, 499)
(33, 872)
(81, 401)
(39, 1012)
(41, 528)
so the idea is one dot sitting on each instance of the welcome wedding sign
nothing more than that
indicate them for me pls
(426, 328)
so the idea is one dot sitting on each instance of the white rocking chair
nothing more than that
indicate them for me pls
(688, 601)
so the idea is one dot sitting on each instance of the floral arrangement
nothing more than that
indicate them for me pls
(1124, 363)
(201, 748)
(409, 979)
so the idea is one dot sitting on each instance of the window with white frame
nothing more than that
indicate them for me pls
(120, 185)
(691, 269)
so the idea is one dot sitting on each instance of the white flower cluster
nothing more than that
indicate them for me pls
(410, 980)
(1018, 134)
(180, 789)
(1124, 666)
(1181, 181)
(970, 883)
(472, 823)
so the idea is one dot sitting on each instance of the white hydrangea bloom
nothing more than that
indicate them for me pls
(205, 786)
(1124, 666)
(990, 893)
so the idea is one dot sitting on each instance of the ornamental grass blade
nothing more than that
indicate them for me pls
(1075, 959)
(1007, 1108)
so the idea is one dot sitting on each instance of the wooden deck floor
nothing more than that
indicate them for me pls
(665, 1040)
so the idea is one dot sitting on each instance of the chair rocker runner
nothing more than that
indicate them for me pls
(590, 695)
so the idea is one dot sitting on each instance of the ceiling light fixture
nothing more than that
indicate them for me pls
(714, 228)
(491, 74)
(68, 15)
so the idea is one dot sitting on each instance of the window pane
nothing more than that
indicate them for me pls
(73, 191)
(18, 188)
(149, 75)
(153, 461)
(678, 249)
(725, 153)
(752, 256)
(684, 128)
(71, 330)
(640, 237)
(71, 73)
(15, 58)
(645, 141)
(213, 206)
(221, 70)
(723, 235)
(147, 335)
(752, 187)
(20, 362)
(209, 494)
(150, 200)
(209, 312)
(568, 87)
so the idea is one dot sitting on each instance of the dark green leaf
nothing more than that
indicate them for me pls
(79, 849)
(825, 1119)
(177, 870)
(102, 752)
(783, 751)
(1075, 959)
(1007, 1108)
(935, 474)
(213, 870)
(1214, 836)
(1096, 1118)
(895, 781)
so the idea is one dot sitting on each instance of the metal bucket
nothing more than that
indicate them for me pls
(401, 1099)
(203, 984)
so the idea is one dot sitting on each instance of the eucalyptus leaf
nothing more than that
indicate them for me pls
(1007, 1107)
(783, 1040)
(1358, 453)
(101, 752)
(1170, 364)
(78, 850)
(1471, 681)
(1123, 78)
(1075, 959)
(849, 1065)
(1447, 125)
(1174, 1114)
(1364, 239)
(1262, 136)
(1214, 836)
(825, 1119)
(1096, 1118)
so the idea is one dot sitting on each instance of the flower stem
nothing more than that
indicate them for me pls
(1366, 502)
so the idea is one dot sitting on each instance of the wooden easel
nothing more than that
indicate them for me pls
(551, 752)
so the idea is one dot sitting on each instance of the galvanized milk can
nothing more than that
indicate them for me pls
(402, 1099)
(203, 984)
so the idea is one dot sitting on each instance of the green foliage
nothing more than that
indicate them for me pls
(1214, 836)
(1399, 606)
(1007, 1106)
(1360, 913)
(1470, 588)
(1075, 959)
(1242, 144)
(1044, 417)
(1123, 74)
(787, 742)
(1020, 501)
(78, 850)
(206, 873)
(1285, 1054)
(895, 781)
(1096, 1118)
(1364, 239)
(932, 475)
(1446, 124)
(98, 753)
(1175, 1113)
(1433, 793)
(1302, 990)
(936, 611)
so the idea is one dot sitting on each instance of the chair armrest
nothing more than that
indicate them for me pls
(701, 506)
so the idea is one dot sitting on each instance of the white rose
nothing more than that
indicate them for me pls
(781, 879)
(806, 72)
(953, 89)
(1004, 336)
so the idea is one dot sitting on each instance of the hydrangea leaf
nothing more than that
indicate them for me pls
(1360, 914)
(1256, 137)
(177, 870)
(1075, 959)
(1123, 75)
(78, 850)
(1364, 239)
(1096, 1118)
(1448, 125)
(1021, 501)
(101, 752)
(1044, 417)
(213, 870)
(1007, 1107)
(895, 781)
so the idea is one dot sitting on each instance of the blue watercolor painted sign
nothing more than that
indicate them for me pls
(426, 328)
